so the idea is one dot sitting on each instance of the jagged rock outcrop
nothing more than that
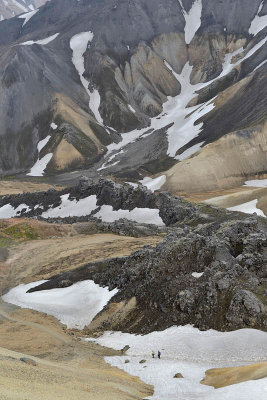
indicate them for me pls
(194, 277)
(210, 270)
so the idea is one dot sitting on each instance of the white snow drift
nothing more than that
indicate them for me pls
(257, 183)
(8, 211)
(72, 208)
(41, 164)
(142, 215)
(153, 184)
(248, 208)
(78, 45)
(39, 167)
(27, 16)
(74, 306)
(192, 20)
(258, 23)
(47, 40)
(190, 352)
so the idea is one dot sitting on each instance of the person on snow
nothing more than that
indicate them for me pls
(159, 354)
(153, 354)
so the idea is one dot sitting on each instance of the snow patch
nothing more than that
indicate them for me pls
(74, 306)
(192, 20)
(197, 274)
(53, 126)
(260, 65)
(134, 185)
(39, 167)
(191, 352)
(43, 142)
(153, 184)
(131, 108)
(43, 42)
(248, 208)
(142, 215)
(258, 23)
(189, 152)
(8, 211)
(28, 16)
(257, 183)
(78, 45)
(94, 103)
(72, 208)
(41, 164)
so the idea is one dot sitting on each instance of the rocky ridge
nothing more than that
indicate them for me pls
(210, 270)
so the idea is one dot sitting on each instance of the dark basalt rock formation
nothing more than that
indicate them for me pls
(227, 249)
(231, 293)
(119, 196)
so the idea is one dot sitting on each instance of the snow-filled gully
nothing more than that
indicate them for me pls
(78, 45)
(175, 110)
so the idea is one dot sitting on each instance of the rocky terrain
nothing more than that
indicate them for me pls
(124, 125)
(210, 269)
(178, 79)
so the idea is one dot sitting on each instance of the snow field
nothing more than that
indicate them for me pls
(191, 352)
(74, 306)
(72, 208)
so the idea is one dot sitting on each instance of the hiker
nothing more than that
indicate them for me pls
(159, 354)
(153, 354)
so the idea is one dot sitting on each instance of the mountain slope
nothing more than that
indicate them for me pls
(10, 8)
(176, 75)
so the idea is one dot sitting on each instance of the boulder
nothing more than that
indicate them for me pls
(178, 375)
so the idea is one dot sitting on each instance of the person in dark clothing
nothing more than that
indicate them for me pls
(159, 354)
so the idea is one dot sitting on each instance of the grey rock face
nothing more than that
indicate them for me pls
(245, 308)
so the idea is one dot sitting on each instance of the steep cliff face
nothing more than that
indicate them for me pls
(129, 85)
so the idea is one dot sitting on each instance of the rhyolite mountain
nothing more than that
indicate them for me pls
(10, 8)
(133, 87)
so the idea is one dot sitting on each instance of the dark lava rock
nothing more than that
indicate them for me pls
(228, 248)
